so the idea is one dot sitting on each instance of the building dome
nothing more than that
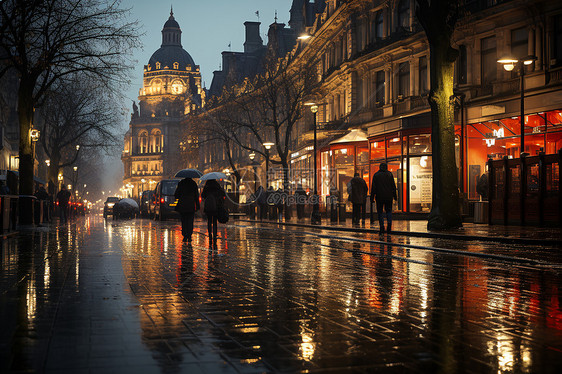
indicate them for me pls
(168, 55)
(171, 50)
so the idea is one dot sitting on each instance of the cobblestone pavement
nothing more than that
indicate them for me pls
(129, 297)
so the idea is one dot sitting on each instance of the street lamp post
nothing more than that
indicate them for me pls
(267, 146)
(315, 218)
(510, 63)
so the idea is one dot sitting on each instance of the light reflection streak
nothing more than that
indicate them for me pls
(306, 347)
(31, 298)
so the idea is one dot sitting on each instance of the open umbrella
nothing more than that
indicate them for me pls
(213, 175)
(188, 173)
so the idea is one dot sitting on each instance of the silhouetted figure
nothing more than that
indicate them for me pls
(300, 198)
(383, 190)
(359, 191)
(63, 197)
(187, 194)
(214, 196)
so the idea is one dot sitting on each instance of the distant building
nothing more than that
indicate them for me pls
(171, 90)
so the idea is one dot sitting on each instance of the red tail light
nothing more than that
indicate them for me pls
(162, 201)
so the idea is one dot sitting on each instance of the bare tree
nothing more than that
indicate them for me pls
(77, 115)
(46, 40)
(268, 109)
(438, 18)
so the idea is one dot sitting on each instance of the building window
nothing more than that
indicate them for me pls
(176, 65)
(519, 42)
(462, 65)
(361, 34)
(157, 65)
(557, 42)
(403, 80)
(423, 75)
(379, 86)
(143, 142)
(378, 26)
(489, 60)
(404, 14)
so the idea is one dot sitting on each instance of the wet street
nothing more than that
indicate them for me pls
(129, 297)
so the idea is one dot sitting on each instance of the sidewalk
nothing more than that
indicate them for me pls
(418, 228)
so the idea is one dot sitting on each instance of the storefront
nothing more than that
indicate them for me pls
(341, 159)
(408, 156)
(501, 138)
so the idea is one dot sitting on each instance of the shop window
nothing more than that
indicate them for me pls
(424, 87)
(419, 144)
(421, 183)
(393, 147)
(362, 155)
(488, 60)
(378, 150)
(403, 80)
(379, 93)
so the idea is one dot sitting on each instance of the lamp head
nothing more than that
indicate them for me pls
(75, 168)
(268, 145)
(252, 156)
(304, 36)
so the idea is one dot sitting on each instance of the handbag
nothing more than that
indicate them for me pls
(222, 215)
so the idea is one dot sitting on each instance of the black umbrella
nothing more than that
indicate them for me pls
(188, 173)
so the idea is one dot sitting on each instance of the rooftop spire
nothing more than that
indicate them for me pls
(172, 11)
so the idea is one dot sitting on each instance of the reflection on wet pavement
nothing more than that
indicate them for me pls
(130, 296)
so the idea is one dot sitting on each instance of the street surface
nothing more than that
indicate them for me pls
(100, 296)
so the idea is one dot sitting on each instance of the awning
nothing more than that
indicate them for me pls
(36, 179)
(355, 135)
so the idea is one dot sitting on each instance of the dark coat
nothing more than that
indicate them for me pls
(212, 187)
(383, 187)
(187, 194)
(63, 197)
(359, 190)
(41, 194)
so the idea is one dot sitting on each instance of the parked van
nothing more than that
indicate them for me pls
(163, 199)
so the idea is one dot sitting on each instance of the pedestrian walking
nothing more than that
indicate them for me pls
(187, 195)
(43, 196)
(261, 200)
(300, 198)
(383, 191)
(359, 190)
(279, 202)
(63, 197)
(213, 195)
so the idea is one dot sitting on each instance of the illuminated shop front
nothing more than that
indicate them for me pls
(496, 139)
(341, 160)
(408, 156)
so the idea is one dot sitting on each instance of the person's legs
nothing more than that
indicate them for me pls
(381, 217)
(388, 209)
(363, 208)
(210, 227)
(214, 219)
(355, 214)
(189, 225)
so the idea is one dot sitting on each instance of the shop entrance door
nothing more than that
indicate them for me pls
(395, 167)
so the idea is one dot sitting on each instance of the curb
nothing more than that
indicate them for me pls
(440, 235)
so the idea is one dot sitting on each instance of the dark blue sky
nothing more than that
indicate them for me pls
(208, 26)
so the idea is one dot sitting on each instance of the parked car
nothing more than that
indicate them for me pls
(108, 206)
(164, 200)
(145, 201)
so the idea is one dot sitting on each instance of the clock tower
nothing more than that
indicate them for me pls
(171, 90)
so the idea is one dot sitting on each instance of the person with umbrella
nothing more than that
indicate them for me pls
(187, 196)
(213, 195)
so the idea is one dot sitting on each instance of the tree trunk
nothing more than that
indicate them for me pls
(26, 163)
(445, 207)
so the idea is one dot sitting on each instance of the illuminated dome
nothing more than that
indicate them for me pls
(171, 50)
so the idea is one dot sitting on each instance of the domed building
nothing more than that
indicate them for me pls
(171, 90)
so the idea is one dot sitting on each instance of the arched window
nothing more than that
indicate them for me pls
(143, 142)
(156, 141)
(176, 65)
(157, 65)
(404, 14)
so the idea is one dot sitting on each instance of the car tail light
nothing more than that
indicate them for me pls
(162, 200)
